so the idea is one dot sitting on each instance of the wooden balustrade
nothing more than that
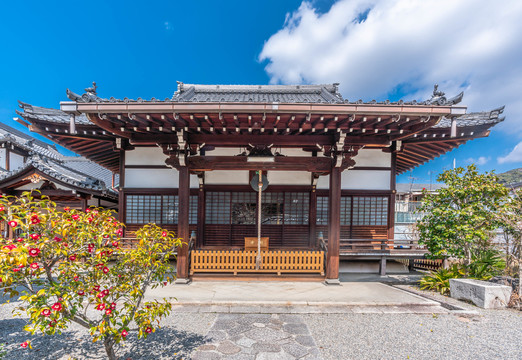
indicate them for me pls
(273, 261)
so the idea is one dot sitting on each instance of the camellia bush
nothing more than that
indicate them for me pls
(69, 266)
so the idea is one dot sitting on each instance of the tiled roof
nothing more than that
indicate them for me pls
(51, 115)
(85, 166)
(475, 119)
(258, 93)
(60, 171)
(326, 93)
(27, 142)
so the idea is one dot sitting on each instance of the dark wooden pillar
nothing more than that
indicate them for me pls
(183, 223)
(334, 227)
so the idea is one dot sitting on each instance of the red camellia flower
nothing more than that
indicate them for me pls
(16, 270)
(75, 217)
(124, 333)
(66, 208)
(57, 239)
(119, 232)
(13, 223)
(89, 219)
(100, 307)
(52, 323)
(34, 251)
(10, 247)
(96, 288)
(34, 219)
(81, 292)
(108, 312)
(57, 306)
(87, 210)
(113, 306)
(76, 278)
(105, 292)
(24, 344)
(100, 295)
(115, 243)
(72, 257)
(2, 208)
(148, 329)
(34, 266)
(46, 312)
(20, 239)
(105, 270)
(35, 236)
(164, 234)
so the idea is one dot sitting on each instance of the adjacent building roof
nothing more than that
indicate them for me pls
(78, 172)
(405, 188)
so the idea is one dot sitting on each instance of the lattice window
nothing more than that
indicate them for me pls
(346, 210)
(322, 210)
(217, 208)
(159, 209)
(243, 208)
(297, 207)
(370, 210)
(272, 208)
(193, 210)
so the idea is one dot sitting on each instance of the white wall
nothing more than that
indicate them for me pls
(372, 157)
(15, 161)
(3, 163)
(359, 180)
(151, 178)
(145, 156)
(289, 178)
(221, 177)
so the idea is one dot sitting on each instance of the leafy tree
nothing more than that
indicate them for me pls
(63, 262)
(510, 217)
(461, 216)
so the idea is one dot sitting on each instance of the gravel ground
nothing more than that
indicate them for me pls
(492, 334)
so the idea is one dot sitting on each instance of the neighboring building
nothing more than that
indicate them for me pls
(31, 164)
(187, 163)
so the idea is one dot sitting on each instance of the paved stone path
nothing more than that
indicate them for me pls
(258, 337)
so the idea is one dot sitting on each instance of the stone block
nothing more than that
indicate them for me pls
(484, 294)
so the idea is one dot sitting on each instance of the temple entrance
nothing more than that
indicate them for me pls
(230, 216)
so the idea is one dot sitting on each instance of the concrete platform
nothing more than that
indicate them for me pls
(294, 297)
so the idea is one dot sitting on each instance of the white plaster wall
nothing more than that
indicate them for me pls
(145, 156)
(224, 152)
(194, 182)
(3, 163)
(359, 180)
(15, 161)
(289, 178)
(220, 177)
(372, 157)
(151, 178)
(365, 180)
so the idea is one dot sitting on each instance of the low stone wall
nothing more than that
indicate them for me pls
(484, 294)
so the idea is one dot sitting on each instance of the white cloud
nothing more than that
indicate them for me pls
(406, 45)
(481, 160)
(515, 156)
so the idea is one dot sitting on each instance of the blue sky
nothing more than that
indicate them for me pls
(375, 49)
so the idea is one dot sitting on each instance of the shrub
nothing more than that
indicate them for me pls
(62, 260)
(486, 264)
(439, 280)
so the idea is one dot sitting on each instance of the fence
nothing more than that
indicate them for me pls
(277, 261)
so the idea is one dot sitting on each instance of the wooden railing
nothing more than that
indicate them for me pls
(272, 261)
(427, 264)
